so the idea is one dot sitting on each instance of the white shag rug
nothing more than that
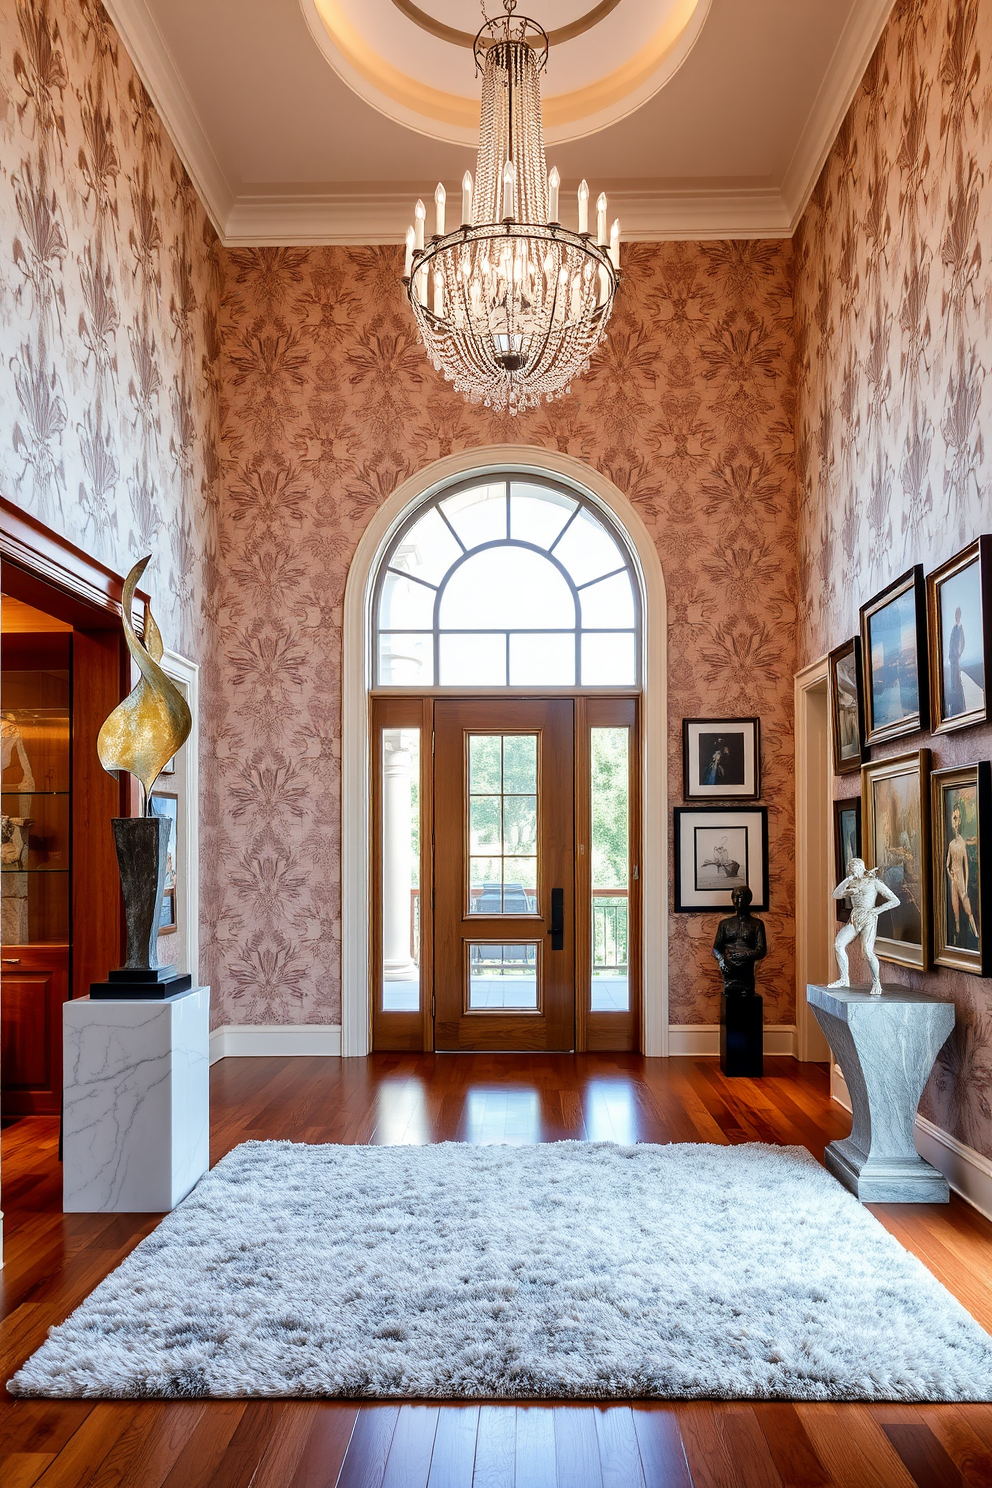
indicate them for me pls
(563, 1270)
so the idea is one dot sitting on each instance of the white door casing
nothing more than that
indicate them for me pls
(355, 743)
(814, 851)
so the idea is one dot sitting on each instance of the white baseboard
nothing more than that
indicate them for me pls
(266, 1040)
(704, 1038)
(967, 1171)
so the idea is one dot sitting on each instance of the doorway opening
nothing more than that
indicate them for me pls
(506, 866)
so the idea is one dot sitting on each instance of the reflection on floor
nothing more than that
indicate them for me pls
(609, 994)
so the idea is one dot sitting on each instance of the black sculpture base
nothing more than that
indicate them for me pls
(742, 1035)
(154, 983)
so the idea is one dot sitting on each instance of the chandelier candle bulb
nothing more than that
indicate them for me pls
(602, 237)
(467, 199)
(440, 197)
(583, 207)
(554, 182)
(411, 238)
(419, 218)
(509, 182)
(615, 244)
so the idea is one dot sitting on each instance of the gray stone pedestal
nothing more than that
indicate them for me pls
(885, 1047)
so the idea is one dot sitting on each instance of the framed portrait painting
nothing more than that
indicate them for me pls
(959, 624)
(894, 659)
(895, 801)
(845, 707)
(721, 759)
(847, 844)
(717, 850)
(166, 805)
(961, 810)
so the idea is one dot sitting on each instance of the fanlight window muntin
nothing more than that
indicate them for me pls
(564, 597)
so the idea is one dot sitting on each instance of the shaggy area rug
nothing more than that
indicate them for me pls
(563, 1270)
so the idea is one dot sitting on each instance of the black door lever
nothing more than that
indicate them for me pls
(557, 931)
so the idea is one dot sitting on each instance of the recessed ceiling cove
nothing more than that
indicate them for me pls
(412, 59)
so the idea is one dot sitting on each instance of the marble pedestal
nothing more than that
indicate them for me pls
(136, 1102)
(885, 1047)
(742, 1035)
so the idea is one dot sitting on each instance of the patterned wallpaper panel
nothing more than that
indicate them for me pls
(109, 293)
(894, 340)
(329, 403)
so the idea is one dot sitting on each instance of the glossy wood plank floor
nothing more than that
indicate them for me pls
(53, 1261)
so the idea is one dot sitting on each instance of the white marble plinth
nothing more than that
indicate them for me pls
(885, 1047)
(136, 1102)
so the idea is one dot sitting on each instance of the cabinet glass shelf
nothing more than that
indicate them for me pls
(11, 790)
(47, 871)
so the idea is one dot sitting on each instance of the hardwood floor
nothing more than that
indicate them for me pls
(54, 1260)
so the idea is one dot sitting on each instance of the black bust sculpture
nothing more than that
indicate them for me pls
(739, 943)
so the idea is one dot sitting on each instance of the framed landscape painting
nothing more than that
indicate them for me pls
(961, 802)
(845, 707)
(721, 759)
(959, 623)
(894, 658)
(847, 844)
(895, 801)
(718, 850)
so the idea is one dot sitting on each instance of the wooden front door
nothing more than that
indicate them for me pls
(504, 925)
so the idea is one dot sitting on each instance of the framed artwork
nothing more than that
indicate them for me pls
(895, 801)
(894, 659)
(961, 811)
(166, 805)
(847, 844)
(846, 726)
(721, 759)
(959, 624)
(717, 850)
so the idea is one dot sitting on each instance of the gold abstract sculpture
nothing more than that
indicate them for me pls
(144, 731)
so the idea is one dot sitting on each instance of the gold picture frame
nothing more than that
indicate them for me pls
(895, 804)
(961, 818)
(959, 596)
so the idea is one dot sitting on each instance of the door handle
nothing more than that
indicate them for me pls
(557, 931)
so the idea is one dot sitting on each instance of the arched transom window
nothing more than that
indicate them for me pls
(507, 583)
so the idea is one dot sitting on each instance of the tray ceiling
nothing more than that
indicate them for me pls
(719, 131)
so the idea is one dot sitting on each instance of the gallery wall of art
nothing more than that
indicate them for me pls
(893, 301)
(329, 403)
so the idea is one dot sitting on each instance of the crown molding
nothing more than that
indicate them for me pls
(382, 217)
(156, 68)
(847, 66)
(358, 217)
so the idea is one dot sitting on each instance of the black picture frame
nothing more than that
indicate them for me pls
(847, 813)
(846, 688)
(896, 688)
(969, 786)
(739, 742)
(704, 883)
(957, 698)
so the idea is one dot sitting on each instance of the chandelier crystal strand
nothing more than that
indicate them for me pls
(511, 305)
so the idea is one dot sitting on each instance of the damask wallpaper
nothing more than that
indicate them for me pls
(108, 311)
(894, 341)
(329, 403)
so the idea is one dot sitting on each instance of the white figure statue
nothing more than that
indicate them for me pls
(861, 888)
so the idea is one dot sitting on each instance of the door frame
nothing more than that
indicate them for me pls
(356, 823)
(814, 851)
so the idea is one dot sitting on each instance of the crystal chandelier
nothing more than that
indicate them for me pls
(511, 305)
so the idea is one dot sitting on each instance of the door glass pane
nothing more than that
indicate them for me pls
(502, 976)
(401, 870)
(610, 761)
(502, 809)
